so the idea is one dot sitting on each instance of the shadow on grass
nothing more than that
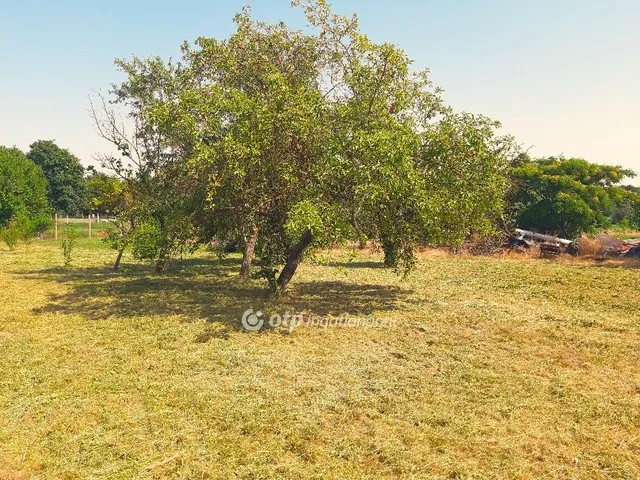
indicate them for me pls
(202, 289)
(356, 264)
(622, 262)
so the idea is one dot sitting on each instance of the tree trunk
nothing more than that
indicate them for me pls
(162, 257)
(116, 265)
(294, 255)
(247, 257)
(162, 261)
(390, 253)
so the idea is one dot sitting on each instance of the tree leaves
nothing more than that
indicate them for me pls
(568, 196)
(24, 209)
(67, 190)
(315, 138)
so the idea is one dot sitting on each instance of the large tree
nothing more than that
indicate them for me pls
(308, 139)
(67, 190)
(24, 210)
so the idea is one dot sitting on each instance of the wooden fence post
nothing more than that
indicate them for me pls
(90, 225)
(55, 230)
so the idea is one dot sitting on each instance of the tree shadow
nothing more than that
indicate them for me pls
(202, 290)
(356, 264)
(627, 263)
(339, 298)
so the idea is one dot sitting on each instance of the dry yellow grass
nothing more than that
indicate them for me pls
(498, 368)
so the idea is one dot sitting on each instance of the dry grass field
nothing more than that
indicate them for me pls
(496, 368)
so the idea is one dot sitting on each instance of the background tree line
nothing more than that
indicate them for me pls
(569, 196)
(47, 180)
(280, 142)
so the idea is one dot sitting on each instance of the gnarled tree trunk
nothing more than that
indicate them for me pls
(247, 257)
(294, 255)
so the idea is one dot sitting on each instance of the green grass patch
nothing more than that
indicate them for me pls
(497, 368)
(81, 227)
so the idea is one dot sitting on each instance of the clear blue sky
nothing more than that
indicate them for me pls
(562, 76)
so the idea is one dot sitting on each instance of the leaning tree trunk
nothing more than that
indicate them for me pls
(116, 265)
(294, 255)
(247, 257)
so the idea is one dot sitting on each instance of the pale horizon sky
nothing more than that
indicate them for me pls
(561, 76)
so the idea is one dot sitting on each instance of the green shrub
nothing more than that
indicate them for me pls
(145, 243)
(11, 233)
(68, 244)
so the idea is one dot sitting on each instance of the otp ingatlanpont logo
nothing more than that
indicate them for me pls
(251, 321)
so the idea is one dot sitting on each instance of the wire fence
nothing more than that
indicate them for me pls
(90, 226)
